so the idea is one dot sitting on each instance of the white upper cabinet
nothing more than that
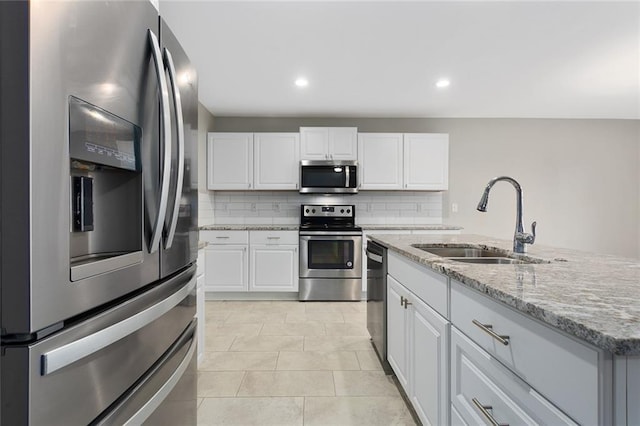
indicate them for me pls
(426, 161)
(411, 161)
(276, 158)
(380, 160)
(230, 161)
(328, 143)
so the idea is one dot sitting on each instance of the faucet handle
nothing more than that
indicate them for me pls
(533, 232)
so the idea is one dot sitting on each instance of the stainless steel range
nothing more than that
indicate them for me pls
(330, 253)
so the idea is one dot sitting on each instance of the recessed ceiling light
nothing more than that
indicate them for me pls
(443, 82)
(302, 82)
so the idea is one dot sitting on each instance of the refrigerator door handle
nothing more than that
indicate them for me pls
(173, 221)
(66, 355)
(165, 114)
(154, 402)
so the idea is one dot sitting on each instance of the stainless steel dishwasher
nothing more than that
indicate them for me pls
(377, 300)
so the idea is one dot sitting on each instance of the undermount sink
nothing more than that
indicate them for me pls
(461, 251)
(487, 256)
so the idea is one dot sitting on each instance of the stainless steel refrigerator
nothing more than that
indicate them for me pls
(98, 215)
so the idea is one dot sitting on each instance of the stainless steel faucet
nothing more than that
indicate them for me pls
(520, 238)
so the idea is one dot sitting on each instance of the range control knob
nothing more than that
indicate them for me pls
(348, 210)
(341, 210)
(306, 211)
(313, 211)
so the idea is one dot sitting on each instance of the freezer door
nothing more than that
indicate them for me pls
(99, 53)
(71, 377)
(180, 239)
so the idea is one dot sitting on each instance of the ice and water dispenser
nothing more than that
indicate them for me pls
(106, 189)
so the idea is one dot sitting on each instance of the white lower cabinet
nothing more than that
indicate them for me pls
(273, 261)
(200, 283)
(417, 350)
(484, 391)
(241, 261)
(228, 268)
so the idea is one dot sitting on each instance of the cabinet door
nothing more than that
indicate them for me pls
(230, 161)
(314, 143)
(343, 143)
(429, 356)
(200, 316)
(274, 268)
(380, 160)
(426, 161)
(227, 268)
(397, 332)
(276, 160)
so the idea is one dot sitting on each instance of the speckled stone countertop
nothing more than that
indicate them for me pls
(249, 227)
(593, 297)
(411, 227)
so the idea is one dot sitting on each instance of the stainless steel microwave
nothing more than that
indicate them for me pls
(328, 177)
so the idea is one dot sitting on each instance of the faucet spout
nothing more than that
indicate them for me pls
(520, 238)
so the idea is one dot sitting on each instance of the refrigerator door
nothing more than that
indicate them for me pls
(180, 239)
(72, 376)
(100, 54)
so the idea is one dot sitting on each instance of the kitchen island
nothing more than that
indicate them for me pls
(556, 340)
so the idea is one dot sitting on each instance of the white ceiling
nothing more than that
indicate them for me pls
(382, 59)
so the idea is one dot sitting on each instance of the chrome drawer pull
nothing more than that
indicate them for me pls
(488, 328)
(484, 410)
(223, 238)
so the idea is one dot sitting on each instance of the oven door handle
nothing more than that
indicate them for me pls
(373, 256)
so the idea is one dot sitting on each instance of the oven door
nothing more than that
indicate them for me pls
(327, 255)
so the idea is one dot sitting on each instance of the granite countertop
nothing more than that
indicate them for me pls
(412, 227)
(593, 297)
(249, 227)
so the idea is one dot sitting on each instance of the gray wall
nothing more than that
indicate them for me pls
(581, 178)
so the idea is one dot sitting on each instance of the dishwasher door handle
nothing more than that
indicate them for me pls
(373, 256)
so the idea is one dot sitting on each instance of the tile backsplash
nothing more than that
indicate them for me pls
(283, 207)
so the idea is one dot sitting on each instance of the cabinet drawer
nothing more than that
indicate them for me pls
(225, 237)
(429, 286)
(562, 369)
(274, 237)
(476, 375)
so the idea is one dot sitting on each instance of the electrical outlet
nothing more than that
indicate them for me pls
(276, 207)
(454, 207)
(253, 207)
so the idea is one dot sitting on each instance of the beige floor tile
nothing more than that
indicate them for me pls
(368, 360)
(344, 360)
(364, 383)
(267, 343)
(315, 317)
(233, 329)
(336, 343)
(215, 343)
(294, 329)
(213, 315)
(316, 307)
(255, 317)
(355, 318)
(238, 361)
(282, 307)
(352, 307)
(251, 411)
(356, 410)
(287, 383)
(219, 383)
(346, 329)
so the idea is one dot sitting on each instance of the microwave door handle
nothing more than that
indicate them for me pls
(173, 221)
(165, 117)
(347, 170)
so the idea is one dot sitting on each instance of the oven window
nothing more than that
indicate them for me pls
(323, 176)
(330, 254)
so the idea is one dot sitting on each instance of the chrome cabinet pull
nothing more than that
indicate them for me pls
(165, 115)
(484, 409)
(401, 300)
(488, 328)
(223, 238)
(407, 303)
(177, 104)
(273, 238)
